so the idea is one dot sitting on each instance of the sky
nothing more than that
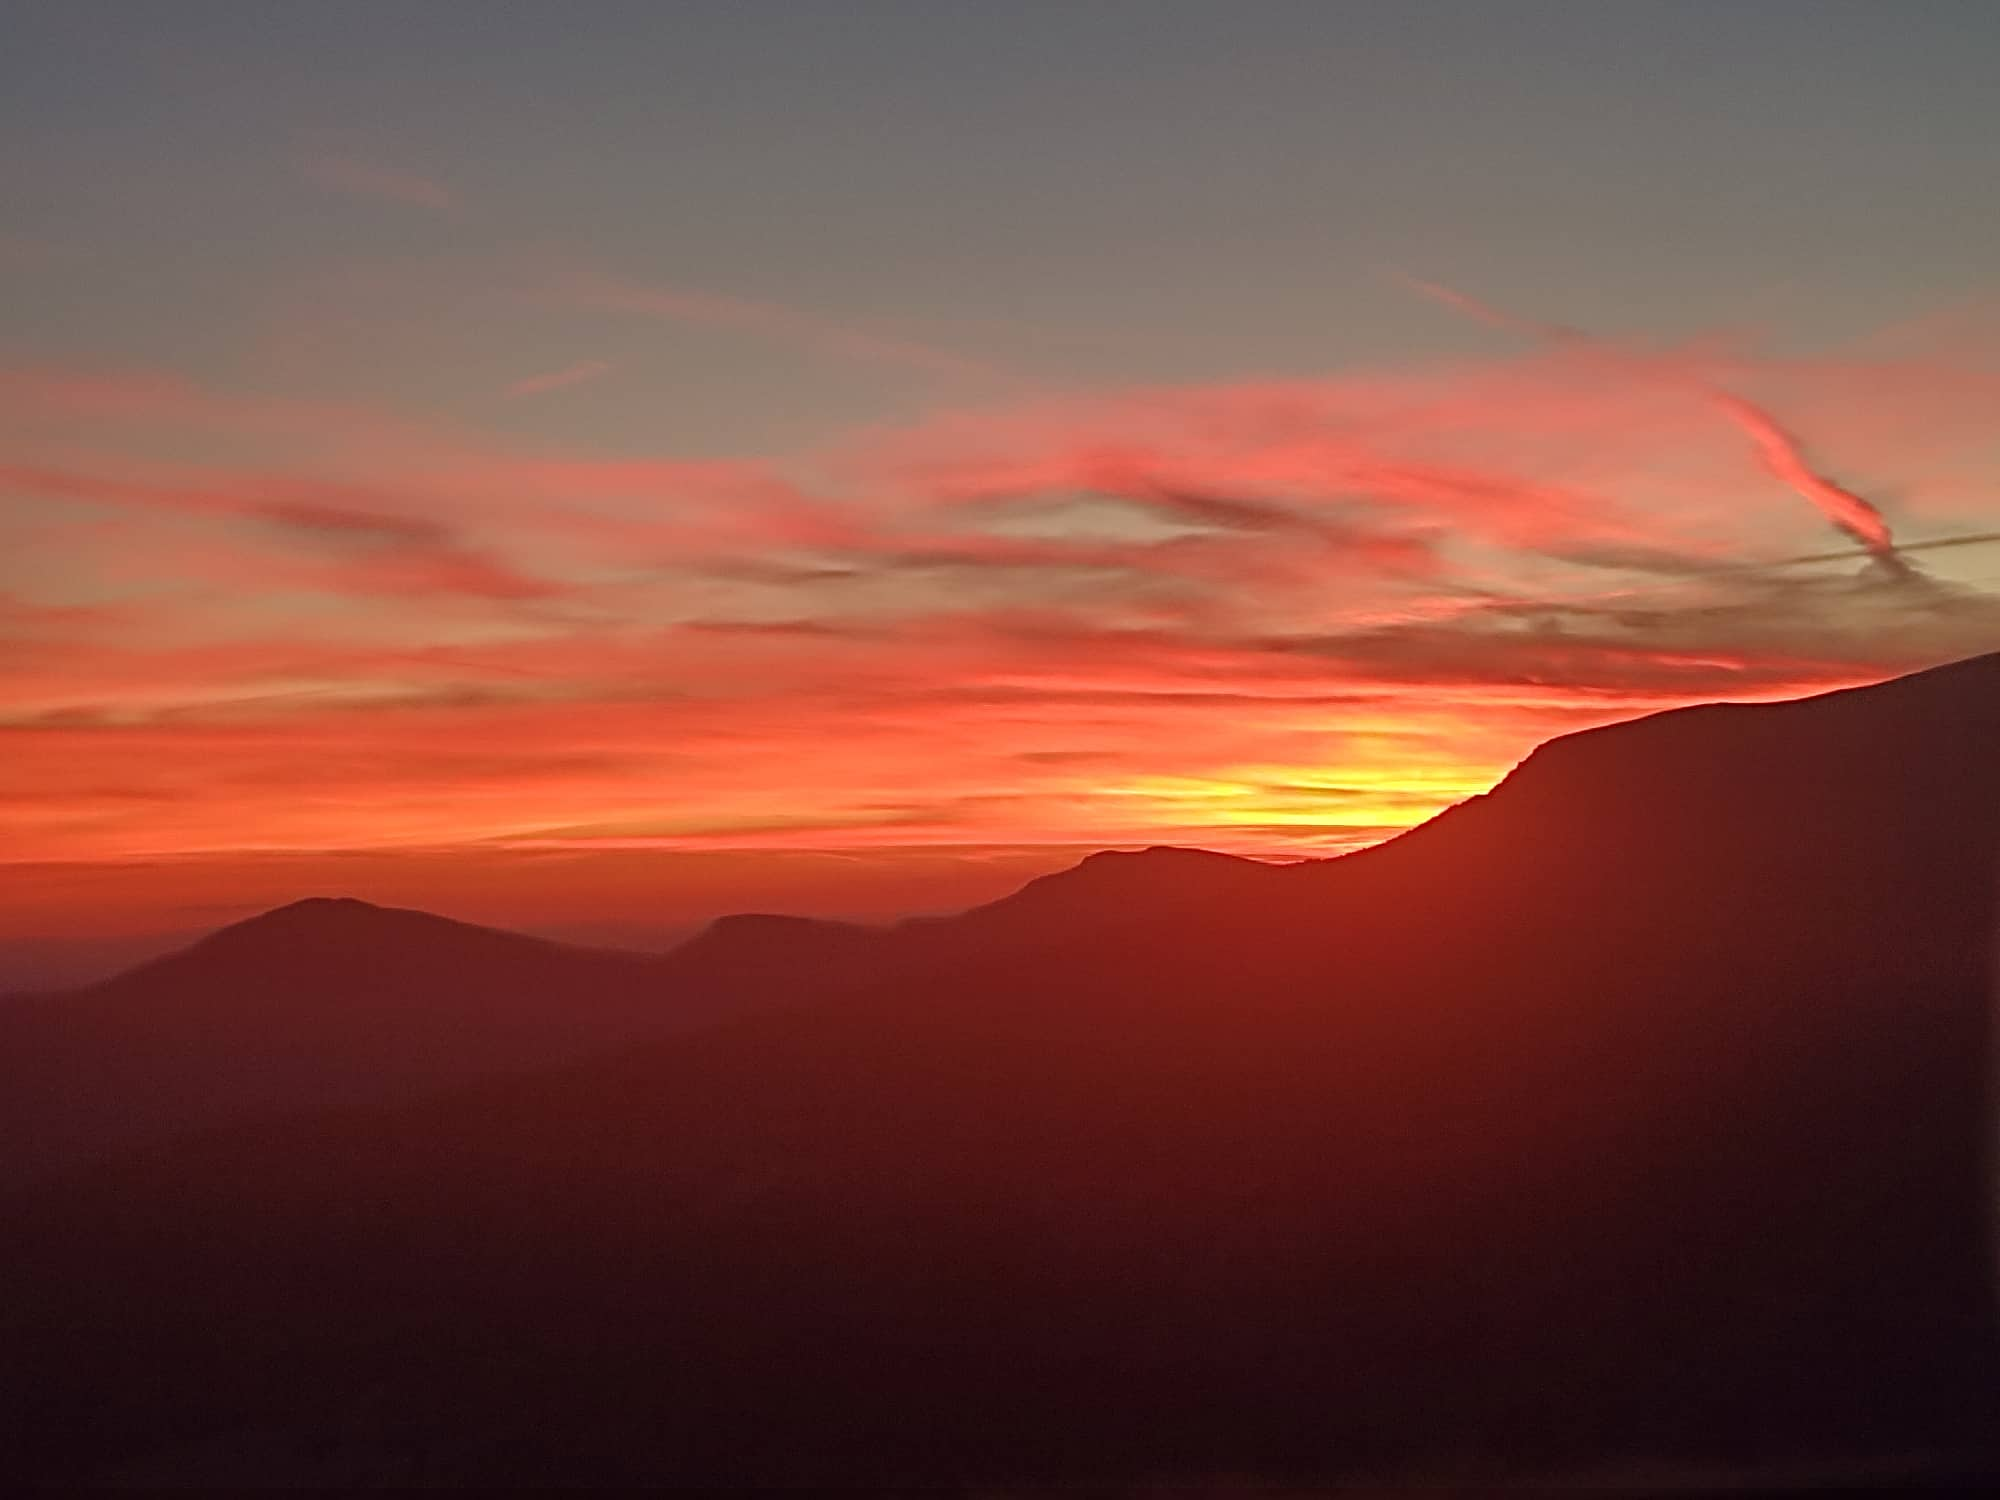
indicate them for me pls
(592, 467)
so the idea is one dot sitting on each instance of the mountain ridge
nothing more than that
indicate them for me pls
(1636, 1108)
(1157, 862)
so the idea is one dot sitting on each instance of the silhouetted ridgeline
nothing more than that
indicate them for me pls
(1634, 1111)
(333, 1002)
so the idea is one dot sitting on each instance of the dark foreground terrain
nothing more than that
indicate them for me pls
(1629, 1122)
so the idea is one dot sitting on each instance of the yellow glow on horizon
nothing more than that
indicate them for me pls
(1382, 796)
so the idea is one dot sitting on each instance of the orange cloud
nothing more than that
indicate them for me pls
(1279, 617)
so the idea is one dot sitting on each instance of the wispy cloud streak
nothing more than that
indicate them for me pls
(559, 379)
(364, 179)
(774, 321)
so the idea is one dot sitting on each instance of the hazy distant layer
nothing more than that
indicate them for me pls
(72, 923)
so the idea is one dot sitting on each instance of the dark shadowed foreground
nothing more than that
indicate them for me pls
(1626, 1122)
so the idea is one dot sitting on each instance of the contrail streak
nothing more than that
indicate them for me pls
(1500, 604)
(1781, 453)
(1787, 463)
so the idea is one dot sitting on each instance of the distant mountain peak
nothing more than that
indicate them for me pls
(1105, 882)
(316, 906)
(338, 925)
(1157, 856)
(767, 937)
(313, 913)
(1155, 862)
(767, 921)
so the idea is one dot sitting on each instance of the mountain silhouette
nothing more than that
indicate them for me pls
(764, 940)
(334, 1001)
(1633, 1113)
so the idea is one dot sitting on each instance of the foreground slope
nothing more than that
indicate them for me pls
(1636, 1108)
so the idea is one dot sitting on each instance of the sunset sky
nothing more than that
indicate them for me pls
(588, 467)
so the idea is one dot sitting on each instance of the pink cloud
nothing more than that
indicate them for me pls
(559, 379)
(1777, 448)
(302, 535)
(347, 174)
